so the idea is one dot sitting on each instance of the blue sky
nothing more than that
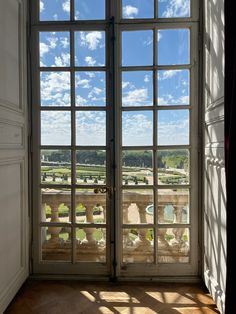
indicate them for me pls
(95, 9)
(136, 86)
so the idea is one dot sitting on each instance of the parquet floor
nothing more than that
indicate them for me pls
(69, 297)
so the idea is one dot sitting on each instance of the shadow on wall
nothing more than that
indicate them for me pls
(215, 191)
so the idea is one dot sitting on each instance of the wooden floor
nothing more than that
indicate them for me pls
(67, 297)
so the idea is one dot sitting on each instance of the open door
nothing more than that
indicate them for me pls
(214, 214)
(13, 150)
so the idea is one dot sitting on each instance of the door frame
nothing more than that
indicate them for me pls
(114, 255)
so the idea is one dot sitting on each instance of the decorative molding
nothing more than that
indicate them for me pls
(10, 106)
(15, 282)
(214, 161)
(217, 103)
(12, 129)
(6, 103)
(215, 120)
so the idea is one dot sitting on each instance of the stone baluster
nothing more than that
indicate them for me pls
(68, 229)
(178, 211)
(53, 230)
(43, 219)
(89, 231)
(104, 213)
(178, 232)
(161, 231)
(127, 241)
(142, 233)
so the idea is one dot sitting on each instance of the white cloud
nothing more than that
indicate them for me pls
(52, 41)
(84, 83)
(127, 84)
(55, 17)
(41, 6)
(174, 132)
(63, 60)
(55, 128)
(44, 48)
(90, 39)
(91, 128)
(95, 91)
(130, 12)
(136, 97)
(66, 6)
(80, 101)
(164, 75)
(183, 100)
(90, 61)
(146, 78)
(90, 74)
(159, 36)
(55, 88)
(177, 8)
(149, 41)
(65, 42)
(162, 101)
(169, 99)
(137, 129)
(77, 14)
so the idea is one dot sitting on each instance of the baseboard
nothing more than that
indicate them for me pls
(161, 279)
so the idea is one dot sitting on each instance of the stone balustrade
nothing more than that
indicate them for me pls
(137, 244)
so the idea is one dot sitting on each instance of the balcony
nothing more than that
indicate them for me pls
(138, 244)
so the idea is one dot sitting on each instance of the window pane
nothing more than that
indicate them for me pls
(173, 127)
(137, 9)
(54, 49)
(51, 10)
(90, 48)
(55, 89)
(91, 128)
(90, 207)
(135, 205)
(89, 9)
(138, 245)
(91, 245)
(137, 128)
(173, 46)
(137, 88)
(173, 206)
(173, 245)
(56, 243)
(91, 166)
(173, 166)
(55, 128)
(173, 8)
(90, 89)
(55, 166)
(173, 87)
(137, 48)
(56, 205)
(137, 167)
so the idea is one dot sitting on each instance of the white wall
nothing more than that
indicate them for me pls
(13, 150)
(214, 171)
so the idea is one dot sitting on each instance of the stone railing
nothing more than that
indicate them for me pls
(90, 242)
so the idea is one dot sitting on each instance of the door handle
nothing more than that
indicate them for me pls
(103, 190)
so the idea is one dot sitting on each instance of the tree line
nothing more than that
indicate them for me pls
(165, 158)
